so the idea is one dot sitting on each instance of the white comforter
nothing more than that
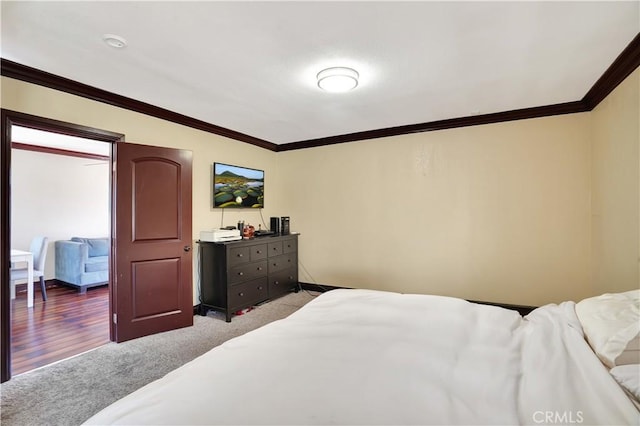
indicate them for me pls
(370, 357)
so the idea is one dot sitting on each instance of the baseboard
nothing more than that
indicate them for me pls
(196, 309)
(22, 287)
(522, 309)
(319, 287)
(52, 283)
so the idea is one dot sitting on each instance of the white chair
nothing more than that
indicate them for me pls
(39, 250)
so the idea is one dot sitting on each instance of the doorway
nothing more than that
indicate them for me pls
(150, 267)
(60, 191)
(9, 120)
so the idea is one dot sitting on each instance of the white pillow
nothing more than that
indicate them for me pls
(611, 324)
(629, 378)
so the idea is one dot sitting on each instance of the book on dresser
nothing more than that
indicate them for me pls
(235, 275)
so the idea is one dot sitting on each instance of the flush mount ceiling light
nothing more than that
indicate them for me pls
(338, 79)
(114, 41)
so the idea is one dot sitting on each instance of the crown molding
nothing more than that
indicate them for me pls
(476, 120)
(620, 69)
(32, 75)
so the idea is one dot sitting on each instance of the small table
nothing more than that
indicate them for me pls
(25, 256)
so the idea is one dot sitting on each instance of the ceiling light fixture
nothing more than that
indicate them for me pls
(114, 41)
(338, 79)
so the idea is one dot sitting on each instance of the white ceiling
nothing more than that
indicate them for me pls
(251, 66)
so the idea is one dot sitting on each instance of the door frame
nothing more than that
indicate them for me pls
(10, 118)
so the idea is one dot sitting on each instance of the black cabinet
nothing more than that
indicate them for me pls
(238, 274)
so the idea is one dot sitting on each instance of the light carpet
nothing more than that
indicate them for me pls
(71, 391)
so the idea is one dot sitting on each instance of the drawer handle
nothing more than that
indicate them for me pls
(259, 268)
(241, 294)
(275, 248)
(241, 273)
(290, 277)
(239, 254)
(275, 264)
(258, 251)
(276, 282)
(260, 288)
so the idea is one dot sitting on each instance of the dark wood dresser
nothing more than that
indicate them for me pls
(238, 274)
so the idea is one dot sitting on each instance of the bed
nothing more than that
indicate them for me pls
(379, 358)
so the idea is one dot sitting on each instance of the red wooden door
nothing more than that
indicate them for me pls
(152, 256)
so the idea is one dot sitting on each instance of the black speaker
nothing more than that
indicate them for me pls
(275, 225)
(285, 224)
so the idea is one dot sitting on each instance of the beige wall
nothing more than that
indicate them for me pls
(138, 128)
(616, 188)
(59, 197)
(499, 212)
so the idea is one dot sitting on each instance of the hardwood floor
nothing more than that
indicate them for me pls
(67, 324)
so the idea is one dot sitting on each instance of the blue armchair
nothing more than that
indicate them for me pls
(82, 262)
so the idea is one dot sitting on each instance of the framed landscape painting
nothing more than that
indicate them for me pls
(235, 186)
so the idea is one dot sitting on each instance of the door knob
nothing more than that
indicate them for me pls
(187, 248)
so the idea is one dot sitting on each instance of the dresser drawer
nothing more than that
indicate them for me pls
(275, 248)
(258, 252)
(290, 246)
(280, 263)
(247, 271)
(238, 255)
(282, 282)
(248, 293)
